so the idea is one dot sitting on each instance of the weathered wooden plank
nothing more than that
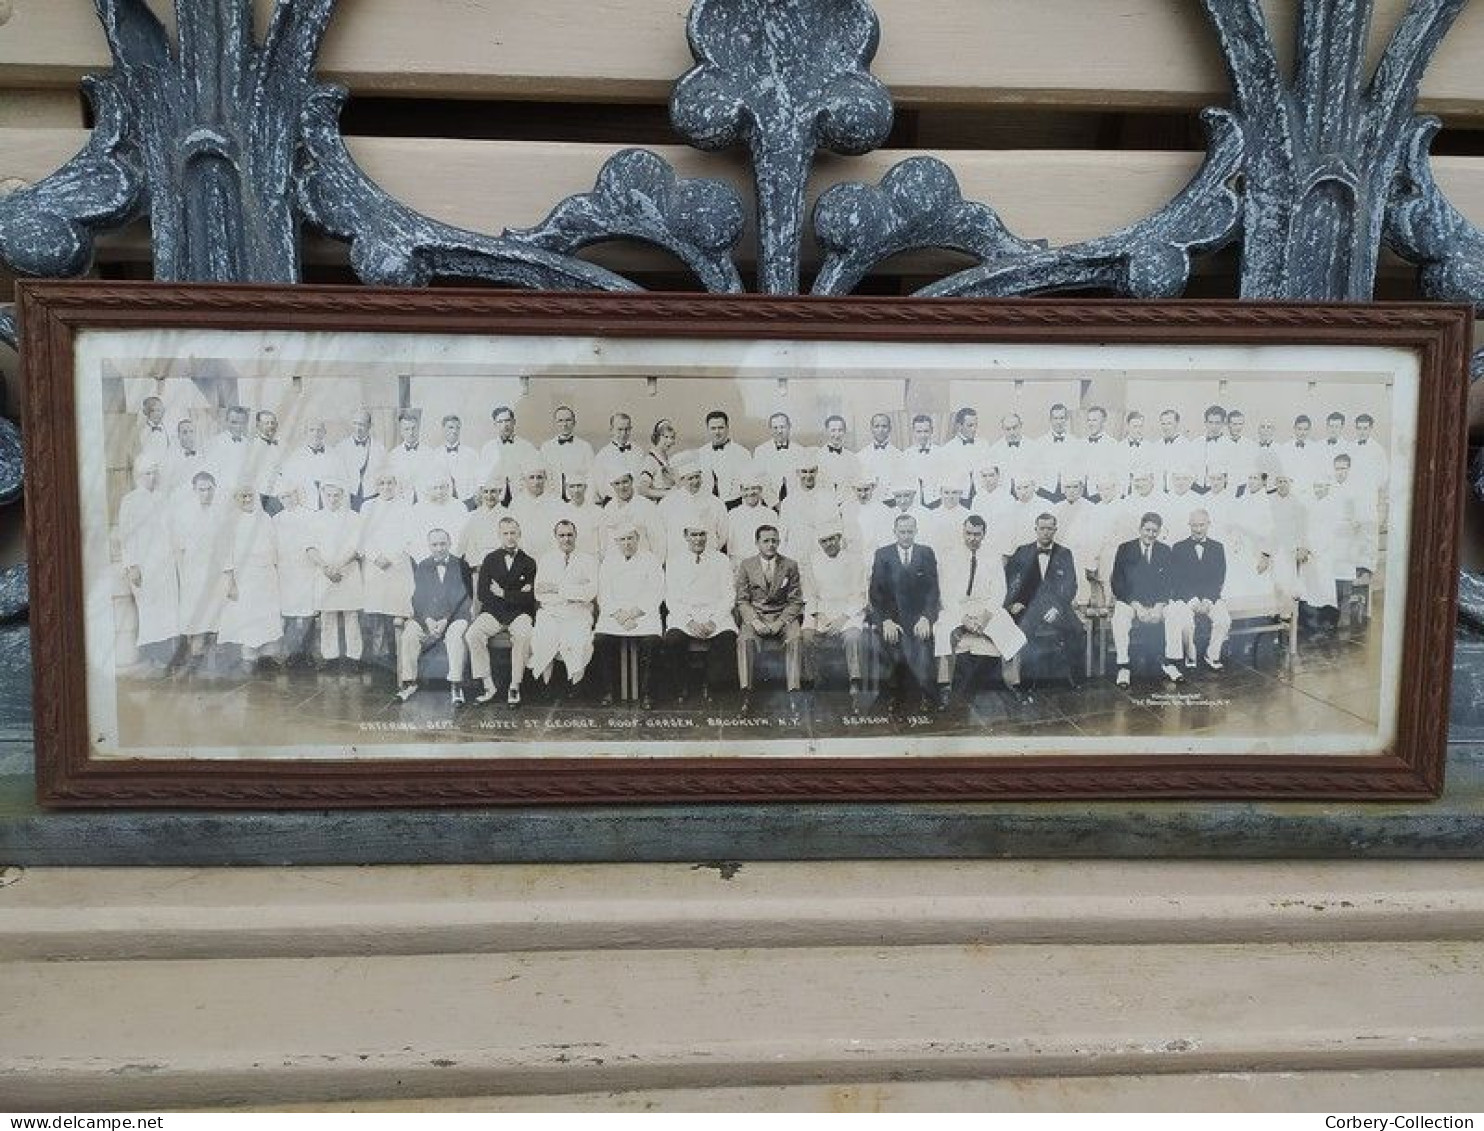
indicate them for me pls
(1060, 195)
(1104, 53)
(1456, 1090)
(195, 1032)
(143, 913)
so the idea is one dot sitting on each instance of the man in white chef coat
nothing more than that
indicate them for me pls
(699, 600)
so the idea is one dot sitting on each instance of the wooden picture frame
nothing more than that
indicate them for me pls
(1370, 725)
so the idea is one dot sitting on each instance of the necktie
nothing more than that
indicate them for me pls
(907, 558)
(768, 572)
(1146, 555)
(698, 559)
(973, 569)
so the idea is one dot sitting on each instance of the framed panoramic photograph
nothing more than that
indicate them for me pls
(319, 546)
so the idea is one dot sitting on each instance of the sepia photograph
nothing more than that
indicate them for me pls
(350, 546)
(354, 542)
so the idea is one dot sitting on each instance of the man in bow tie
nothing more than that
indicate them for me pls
(920, 462)
(881, 459)
(505, 460)
(226, 454)
(774, 459)
(458, 463)
(441, 601)
(359, 457)
(1197, 581)
(410, 460)
(724, 461)
(154, 440)
(618, 457)
(962, 454)
(566, 454)
(1040, 591)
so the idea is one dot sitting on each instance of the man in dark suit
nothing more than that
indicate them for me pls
(1197, 578)
(506, 595)
(1040, 586)
(1141, 586)
(770, 606)
(904, 602)
(440, 611)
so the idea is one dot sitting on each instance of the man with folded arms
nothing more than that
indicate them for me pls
(440, 611)
(505, 596)
(699, 597)
(1142, 591)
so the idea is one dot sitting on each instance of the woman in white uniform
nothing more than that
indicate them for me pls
(149, 563)
(250, 615)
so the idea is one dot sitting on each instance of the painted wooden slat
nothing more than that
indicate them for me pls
(122, 1035)
(1103, 53)
(146, 913)
(1062, 196)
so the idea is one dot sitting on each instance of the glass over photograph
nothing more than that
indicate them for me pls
(351, 545)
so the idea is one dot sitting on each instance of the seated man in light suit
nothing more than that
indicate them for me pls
(975, 626)
(770, 605)
(506, 595)
(440, 611)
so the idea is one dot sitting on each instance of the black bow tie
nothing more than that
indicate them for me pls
(1013, 443)
(780, 447)
(188, 451)
(1043, 549)
(451, 450)
(565, 439)
(717, 447)
(1169, 439)
(966, 443)
(317, 451)
(236, 439)
(268, 441)
(156, 428)
(410, 447)
(1094, 439)
(881, 447)
(1332, 443)
(360, 443)
(503, 440)
(1058, 439)
(623, 447)
(1134, 443)
(837, 451)
(924, 451)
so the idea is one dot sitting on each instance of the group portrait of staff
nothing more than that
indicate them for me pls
(949, 564)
